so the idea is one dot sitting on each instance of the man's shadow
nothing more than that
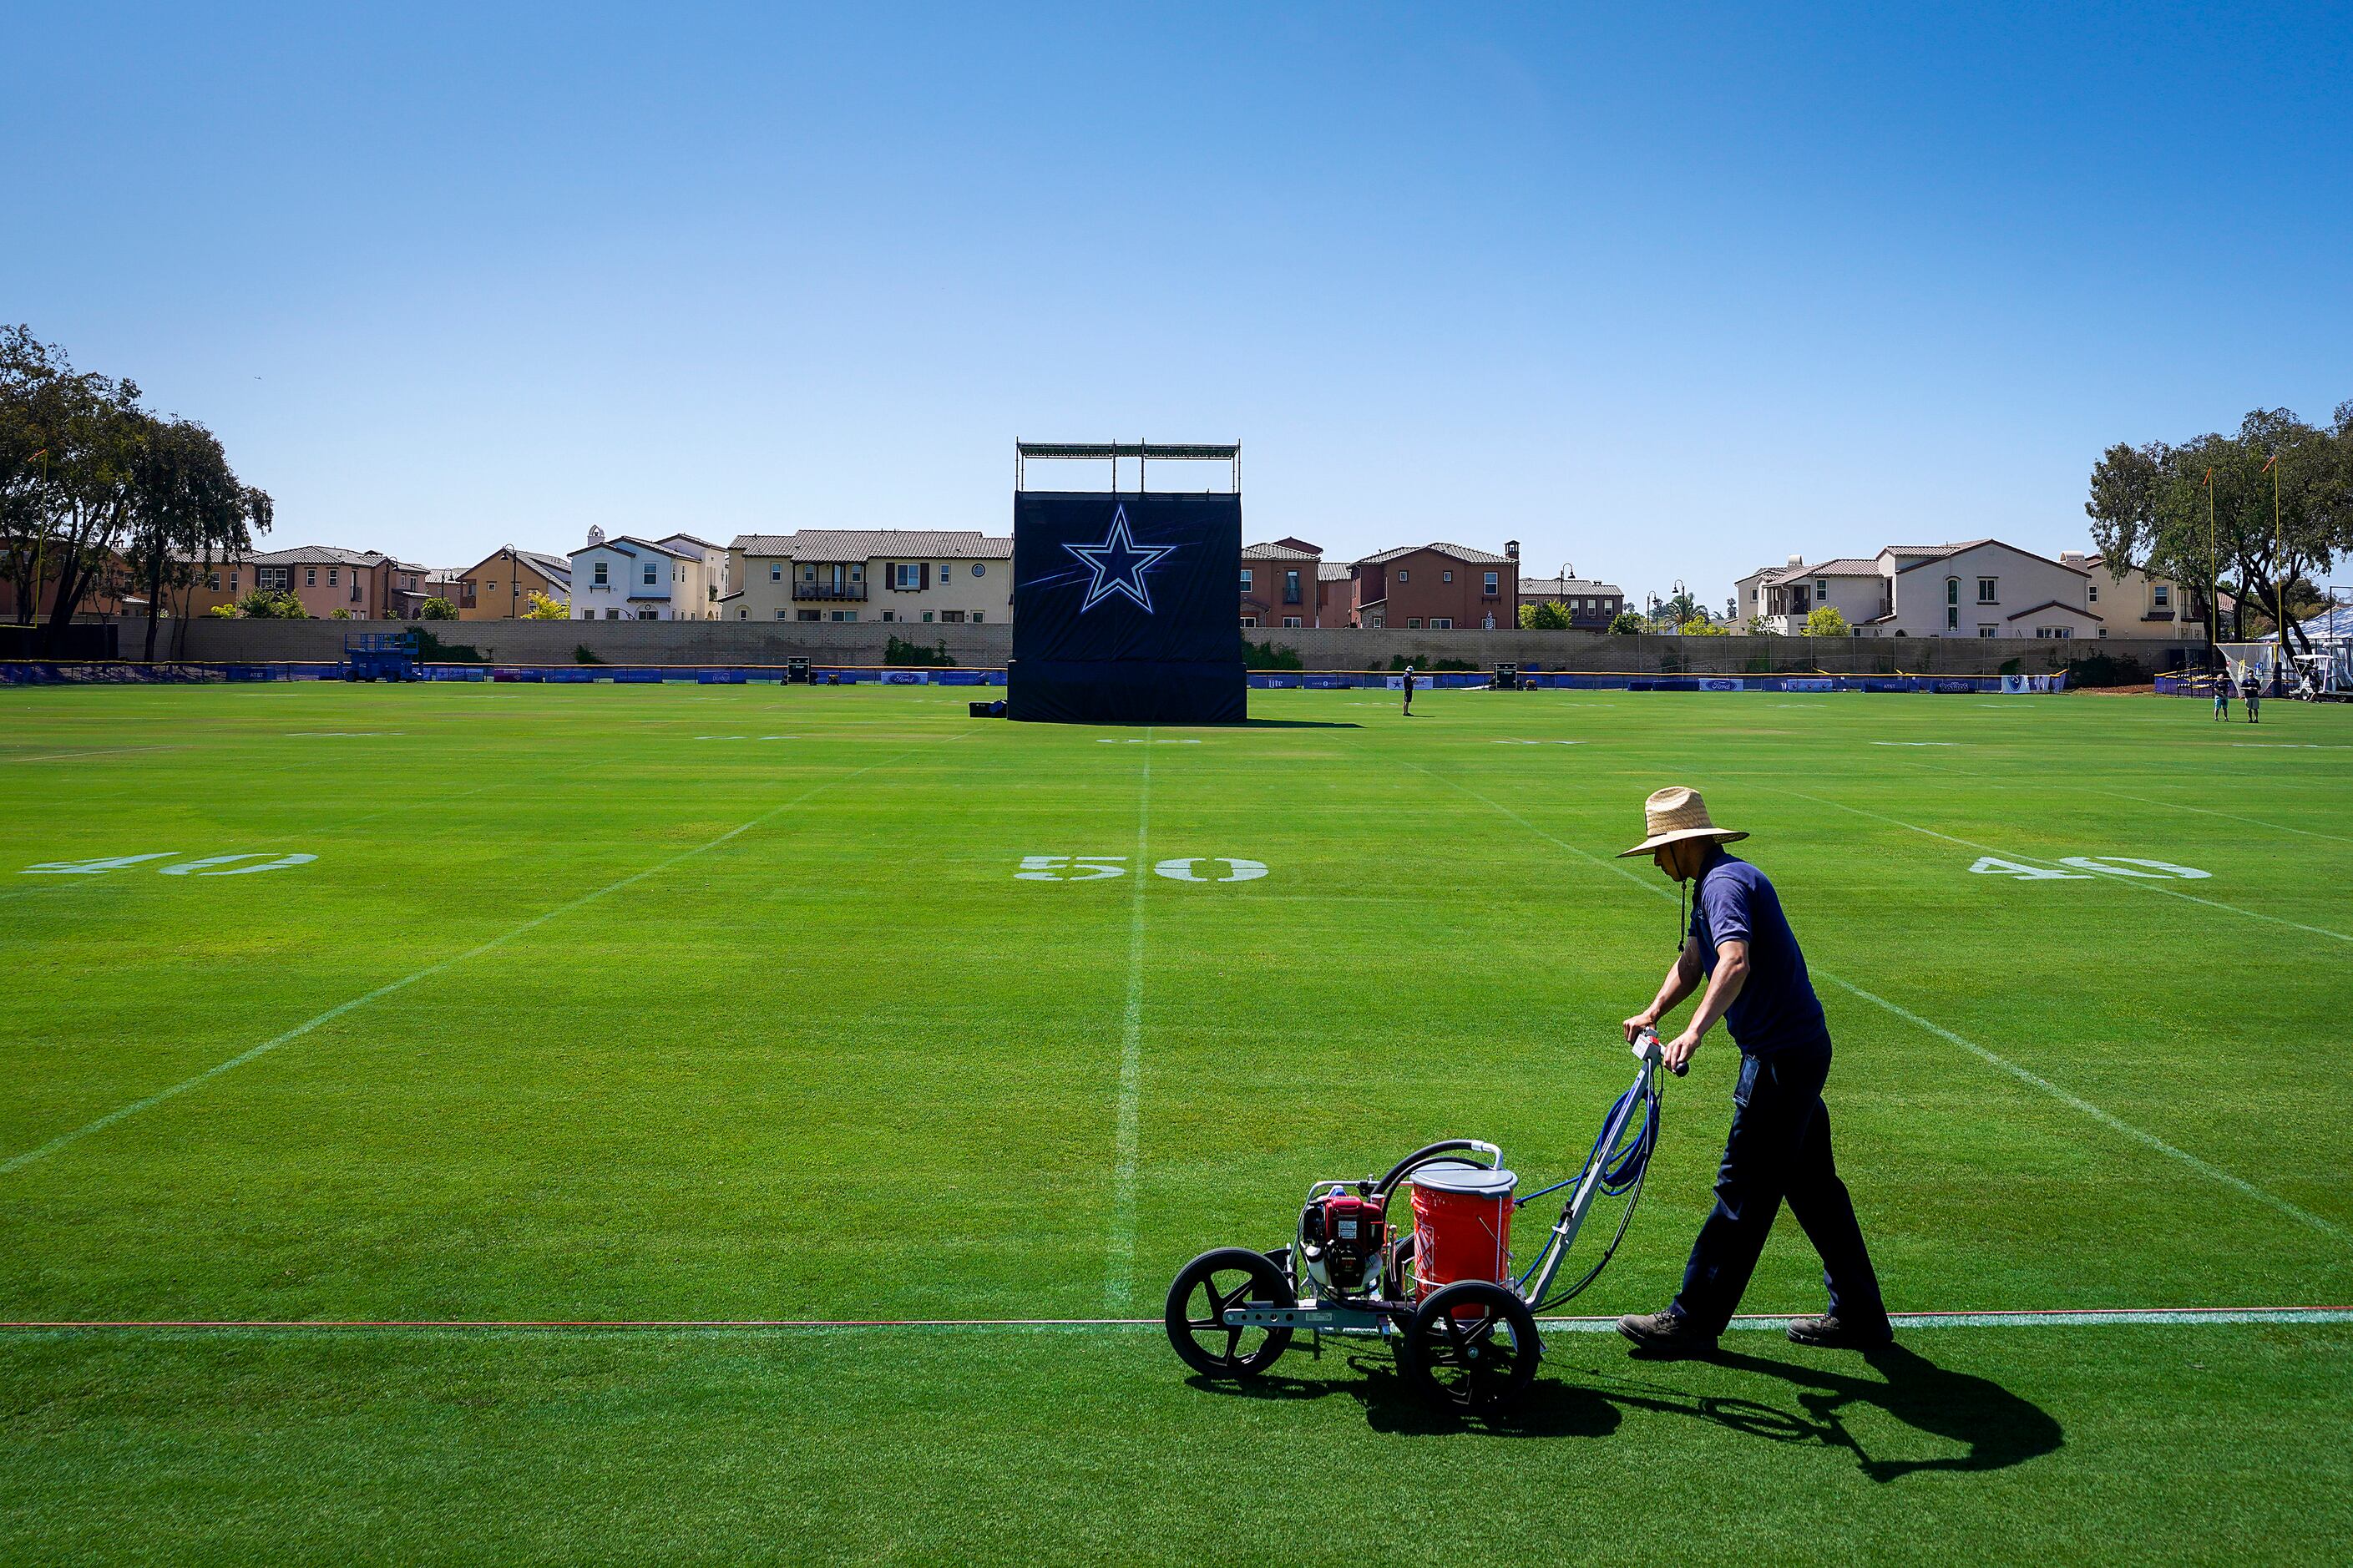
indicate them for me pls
(1995, 1427)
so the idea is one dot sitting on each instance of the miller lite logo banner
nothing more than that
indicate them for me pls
(1124, 608)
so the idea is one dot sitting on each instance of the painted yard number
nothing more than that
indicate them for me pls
(209, 865)
(2086, 865)
(1100, 867)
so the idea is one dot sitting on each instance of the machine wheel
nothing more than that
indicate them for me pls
(1198, 1300)
(1472, 1347)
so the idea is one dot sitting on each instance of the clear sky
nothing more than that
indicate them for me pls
(1664, 292)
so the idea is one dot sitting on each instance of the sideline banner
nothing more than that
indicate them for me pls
(1124, 609)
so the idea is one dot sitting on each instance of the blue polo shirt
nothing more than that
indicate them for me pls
(1776, 1009)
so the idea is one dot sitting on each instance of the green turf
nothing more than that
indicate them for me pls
(685, 1026)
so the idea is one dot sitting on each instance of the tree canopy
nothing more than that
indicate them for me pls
(1827, 622)
(1545, 615)
(2263, 510)
(98, 495)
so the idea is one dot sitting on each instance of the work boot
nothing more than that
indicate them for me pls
(1832, 1333)
(1666, 1335)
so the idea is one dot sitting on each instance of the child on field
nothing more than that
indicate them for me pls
(2222, 700)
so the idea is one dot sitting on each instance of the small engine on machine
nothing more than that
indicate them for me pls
(1343, 1240)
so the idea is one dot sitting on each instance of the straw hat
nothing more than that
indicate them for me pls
(1676, 812)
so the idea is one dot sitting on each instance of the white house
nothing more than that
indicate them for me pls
(913, 576)
(1975, 588)
(625, 578)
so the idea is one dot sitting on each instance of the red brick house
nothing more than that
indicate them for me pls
(1437, 587)
(1279, 584)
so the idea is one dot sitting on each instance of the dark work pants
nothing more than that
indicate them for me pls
(1779, 1147)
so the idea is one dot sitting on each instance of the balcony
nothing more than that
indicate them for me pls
(852, 591)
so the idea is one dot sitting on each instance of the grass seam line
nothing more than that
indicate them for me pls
(65, 1140)
(2026, 1317)
(2105, 1118)
(1119, 1263)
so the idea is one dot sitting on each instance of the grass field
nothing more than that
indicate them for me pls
(678, 1002)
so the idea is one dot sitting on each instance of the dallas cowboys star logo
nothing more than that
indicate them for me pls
(1117, 565)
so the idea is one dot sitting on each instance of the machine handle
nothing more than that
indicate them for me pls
(1650, 1053)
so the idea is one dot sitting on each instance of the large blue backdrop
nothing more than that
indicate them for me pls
(1124, 609)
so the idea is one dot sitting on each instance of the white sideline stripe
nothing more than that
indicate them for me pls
(2143, 884)
(2228, 816)
(63, 1140)
(2105, 1118)
(1119, 1263)
(2028, 1318)
(2213, 1172)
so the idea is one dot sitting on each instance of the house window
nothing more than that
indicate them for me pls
(857, 574)
(1246, 579)
(612, 615)
(776, 572)
(491, 586)
(232, 581)
(211, 581)
(1413, 623)
(1403, 575)
(1291, 620)
(1986, 631)
(1491, 586)
(845, 615)
(1291, 587)
(1822, 588)
(310, 576)
(927, 618)
(946, 571)
(782, 615)
(2163, 594)
(906, 576)
(804, 616)
(2094, 590)
(952, 617)
(648, 577)
(1986, 591)
(2060, 634)
(648, 615)
(975, 617)
(332, 576)
(808, 574)
(1952, 604)
(1446, 576)
(1250, 620)
(602, 581)
(889, 614)
(1443, 624)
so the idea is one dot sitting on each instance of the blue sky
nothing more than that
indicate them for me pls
(1665, 291)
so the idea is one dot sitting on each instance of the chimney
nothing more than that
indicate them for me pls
(1512, 548)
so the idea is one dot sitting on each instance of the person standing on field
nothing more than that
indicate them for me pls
(2222, 700)
(1739, 947)
(1409, 692)
(2253, 694)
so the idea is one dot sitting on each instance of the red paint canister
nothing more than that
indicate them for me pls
(1462, 1224)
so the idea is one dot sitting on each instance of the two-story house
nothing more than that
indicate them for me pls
(330, 581)
(1437, 587)
(500, 585)
(625, 578)
(1591, 604)
(1974, 588)
(1279, 584)
(911, 576)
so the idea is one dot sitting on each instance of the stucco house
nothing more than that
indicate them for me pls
(1972, 588)
(913, 576)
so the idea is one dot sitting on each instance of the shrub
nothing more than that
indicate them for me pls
(1266, 655)
(432, 648)
(1701, 627)
(540, 607)
(269, 605)
(583, 653)
(1545, 615)
(1826, 622)
(438, 609)
(907, 653)
(1629, 625)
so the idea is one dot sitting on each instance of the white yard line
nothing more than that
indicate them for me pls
(2227, 816)
(1119, 1264)
(2105, 1118)
(64, 1139)
(2145, 885)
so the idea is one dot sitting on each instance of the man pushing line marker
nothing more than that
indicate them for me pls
(1779, 1146)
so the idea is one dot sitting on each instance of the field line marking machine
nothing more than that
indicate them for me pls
(1440, 1285)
